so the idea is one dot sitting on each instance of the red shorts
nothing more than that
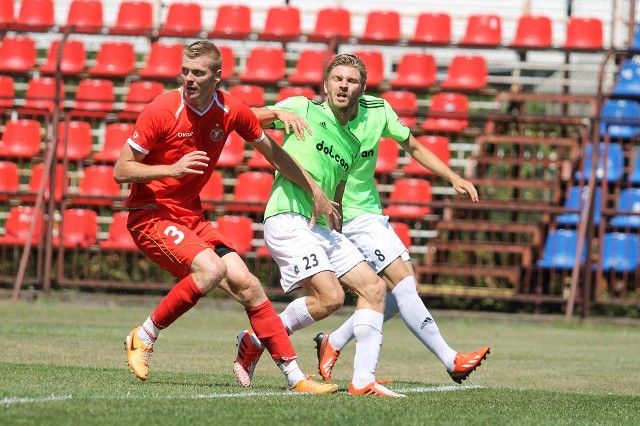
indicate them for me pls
(170, 242)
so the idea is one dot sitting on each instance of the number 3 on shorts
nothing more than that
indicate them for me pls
(172, 231)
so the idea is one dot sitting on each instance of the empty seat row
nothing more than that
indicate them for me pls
(184, 19)
(627, 208)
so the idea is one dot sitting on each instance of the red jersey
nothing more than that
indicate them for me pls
(168, 128)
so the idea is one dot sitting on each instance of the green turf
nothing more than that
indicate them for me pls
(64, 363)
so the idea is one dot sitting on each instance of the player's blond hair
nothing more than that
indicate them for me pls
(349, 60)
(205, 48)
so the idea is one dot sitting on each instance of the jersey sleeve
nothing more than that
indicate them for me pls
(394, 128)
(149, 128)
(247, 124)
(298, 105)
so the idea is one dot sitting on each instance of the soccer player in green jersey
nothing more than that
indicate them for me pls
(316, 258)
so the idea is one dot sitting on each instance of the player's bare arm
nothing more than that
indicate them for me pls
(130, 168)
(291, 121)
(430, 161)
(287, 165)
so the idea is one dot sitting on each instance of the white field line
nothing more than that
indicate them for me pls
(55, 398)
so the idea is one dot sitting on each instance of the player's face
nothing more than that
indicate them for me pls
(343, 87)
(199, 81)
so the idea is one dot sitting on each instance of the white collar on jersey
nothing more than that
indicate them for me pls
(214, 100)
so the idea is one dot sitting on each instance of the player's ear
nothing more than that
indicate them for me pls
(218, 75)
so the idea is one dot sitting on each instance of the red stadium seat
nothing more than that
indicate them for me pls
(119, 236)
(78, 140)
(140, 94)
(164, 61)
(232, 21)
(439, 145)
(382, 26)
(9, 179)
(183, 20)
(239, 230)
(7, 15)
(291, 91)
(94, 98)
(97, 186)
(374, 63)
(116, 135)
(433, 28)
(17, 54)
(332, 22)
(251, 192)
(213, 191)
(483, 30)
(466, 72)
(264, 65)
(228, 62)
(7, 92)
(282, 23)
(310, 67)
(79, 228)
(404, 103)
(21, 139)
(134, 18)
(402, 231)
(85, 16)
(72, 62)
(257, 160)
(114, 59)
(250, 94)
(416, 71)
(388, 153)
(37, 174)
(35, 15)
(584, 33)
(18, 224)
(40, 95)
(233, 151)
(533, 31)
(409, 190)
(449, 112)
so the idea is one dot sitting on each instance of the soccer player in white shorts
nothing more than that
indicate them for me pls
(310, 255)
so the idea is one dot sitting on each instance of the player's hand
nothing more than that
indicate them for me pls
(192, 163)
(322, 206)
(293, 123)
(465, 187)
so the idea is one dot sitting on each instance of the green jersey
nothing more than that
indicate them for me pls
(376, 119)
(327, 156)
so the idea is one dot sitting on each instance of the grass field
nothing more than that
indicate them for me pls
(63, 362)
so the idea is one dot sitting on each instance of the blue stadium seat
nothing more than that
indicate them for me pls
(620, 118)
(629, 201)
(634, 177)
(575, 201)
(614, 167)
(620, 252)
(635, 44)
(560, 250)
(628, 83)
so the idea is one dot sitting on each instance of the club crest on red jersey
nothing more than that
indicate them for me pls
(217, 134)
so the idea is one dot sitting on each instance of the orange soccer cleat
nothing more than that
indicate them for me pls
(374, 388)
(247, 359)
(466, 363)
(327, 356)
(138, 355)
(310, 386)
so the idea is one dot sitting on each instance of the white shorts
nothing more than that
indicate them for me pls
(302, 252)
(376, 239)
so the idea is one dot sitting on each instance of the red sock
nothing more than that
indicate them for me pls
(182, 297)
(270, 330)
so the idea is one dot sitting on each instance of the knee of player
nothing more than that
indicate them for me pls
(210, 274)
(333, 299)
(377, 290)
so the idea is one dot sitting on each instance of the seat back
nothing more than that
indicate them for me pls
(250, 94)
(40, 94)
(614, 167)
(402, 231)
(114, 59)
(438, 145)
(212, 192)
(374, 63)
(18, 224)
(140, 93)
(134, 18)
(74, 140)
(94, 97)
(434, 28)
(264, 65)
(21, 139)
(584, 33)
(560, 250)
(448, 112)
(416, 71)
(251, 191)
(17, 54)
(164, 61)
(533, 31)
(119, 236)
(620, 252)
(403, 102)
(409, 190)
(382, 26)
(239, 230)
(332, 22)
(290, 91)
(115, 136)
(232, 21)
(466, 72)
(7, 92)
(483, 30)
(37, 174)
(35, 15)
(309, 68)
(620, 118)
(72, 61)
(388, 153)
(576, 200)
(97, 186)
(233, 151)
(228, 62)
(79, 228)
(183, 20)
(9, 179)
(7, 15)
(85, 16)
(282, 23)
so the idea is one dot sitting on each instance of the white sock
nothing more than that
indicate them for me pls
(420, 322)
(291, 371)
(344, 334)
(148, 333)
(296, 316)
(367, 328)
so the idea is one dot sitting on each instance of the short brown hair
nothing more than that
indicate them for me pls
(348, 60)
(205, 48)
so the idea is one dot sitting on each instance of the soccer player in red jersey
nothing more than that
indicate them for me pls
(171, 154)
